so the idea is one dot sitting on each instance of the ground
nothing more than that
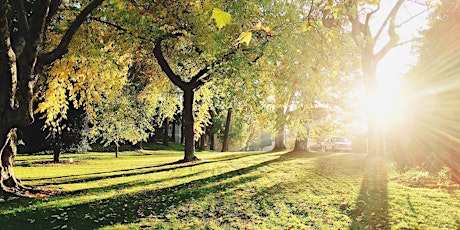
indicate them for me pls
(256, 190)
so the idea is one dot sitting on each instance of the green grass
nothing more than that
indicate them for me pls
(226, 191)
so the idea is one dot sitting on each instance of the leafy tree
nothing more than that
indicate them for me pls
(23, 25)
(121, 118)
(306, 66)
(430, 136)
(194, 51)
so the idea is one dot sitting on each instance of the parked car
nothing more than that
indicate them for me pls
(341, 144)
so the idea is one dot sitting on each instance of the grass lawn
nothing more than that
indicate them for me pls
(143, 190)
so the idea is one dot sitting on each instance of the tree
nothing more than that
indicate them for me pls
(430, 136)
(360, 14)
(121, 118)
(306, 65)
(201, 59)
(23, 26)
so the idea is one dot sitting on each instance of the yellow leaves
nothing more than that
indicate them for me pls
(245, 37)
(83, 80)
(305, 27)
(221, 18)
(266, 29)
(257, 26)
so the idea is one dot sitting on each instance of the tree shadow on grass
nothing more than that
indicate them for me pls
(132, 172)
(124, 209)
(69, 179)
(371, 210)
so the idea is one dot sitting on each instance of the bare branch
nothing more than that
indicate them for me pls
(411, 18)
(393, 42)
(369, 15)
(389, 18)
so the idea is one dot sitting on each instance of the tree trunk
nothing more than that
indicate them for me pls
(300, 144)
(189, 133)
(173, 130)
(370, 56)
(202, 142)
(182, 130)
(227, 130)
(116, 150)
(374, 138)
(10, 184)
(281, 132)
(212, 141)
(166, 132)
(280, 139)
(57, 148)
(211, 135)
(140, 145)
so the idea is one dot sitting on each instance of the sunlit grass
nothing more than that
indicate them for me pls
(226, 191)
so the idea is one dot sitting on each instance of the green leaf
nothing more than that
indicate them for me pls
(222, 18)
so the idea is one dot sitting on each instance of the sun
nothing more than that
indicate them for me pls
(389, 110)
(390, 106)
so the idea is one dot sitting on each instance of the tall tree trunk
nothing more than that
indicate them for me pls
(182, 130)
(166, 132)
(202, 142)
(173, 130)
(189, 133)
(374, 138)
(227, 130)
(212, 141)
(210, 133)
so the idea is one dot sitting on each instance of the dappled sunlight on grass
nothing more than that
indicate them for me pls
(244, 190)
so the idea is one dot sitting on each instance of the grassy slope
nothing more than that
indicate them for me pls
(226, 190)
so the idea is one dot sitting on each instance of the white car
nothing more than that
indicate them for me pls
(341, 144)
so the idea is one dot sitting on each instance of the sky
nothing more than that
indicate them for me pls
(399, 60)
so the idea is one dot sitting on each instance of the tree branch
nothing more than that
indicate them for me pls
(356, 25)
(8, 81)
(158, 53)
(393, 42)
(62, 48)
(411, 18)
(23, 28)
(120, 28)
(369, 15)
(53, 10)
(390, 18)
